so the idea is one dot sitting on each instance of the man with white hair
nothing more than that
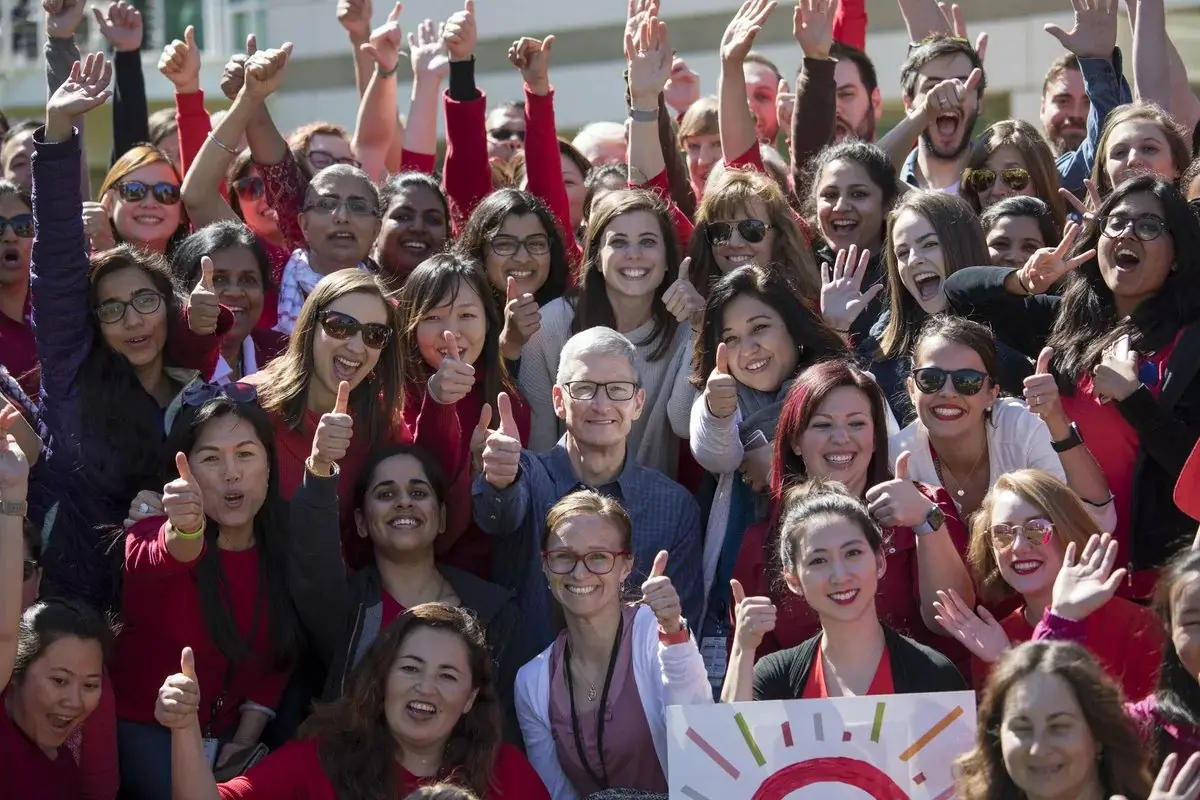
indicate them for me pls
(602, 143)
(596, 394)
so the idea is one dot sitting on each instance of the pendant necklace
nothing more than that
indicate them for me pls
(943, 471)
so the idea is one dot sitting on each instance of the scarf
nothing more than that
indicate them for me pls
(299, 279)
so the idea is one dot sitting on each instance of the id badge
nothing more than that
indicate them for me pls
(716, 658)
(210, 751)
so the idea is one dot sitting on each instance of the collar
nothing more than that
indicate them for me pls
(223, 370)
(563, 475)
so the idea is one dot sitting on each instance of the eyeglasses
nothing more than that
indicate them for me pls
(330, 205)
(967, 382)
(375, 335)
(144, 301)
(981, 180)
(238, 392)
(135, 192)
(1036, 531)
(251, 188)
(1147, 229)
(323, 158)
(536, 245)
(752, 230)
(22, 225)
(597, 562)
(28, 569)
(506, 134)
(617, 391)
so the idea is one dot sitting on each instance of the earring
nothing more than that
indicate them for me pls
(879, 574)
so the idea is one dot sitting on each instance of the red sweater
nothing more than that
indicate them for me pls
(850, 23)
(94, 744)
(294, 772)
(27, 772)
(18, 350)
(161, 615)
(684, 228)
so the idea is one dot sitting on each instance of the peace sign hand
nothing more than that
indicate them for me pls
(980, 633)
(659, 594)
(842, 297)
(183, 501)
(681, 298)
(1093, 199)
(203, 309)
(1047, 265)
(754, 618)
(1083, 586)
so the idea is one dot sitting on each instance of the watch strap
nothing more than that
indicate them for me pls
(14, 508)
(1072, 441)
(678, 637)
(935, 519)
(637, 115)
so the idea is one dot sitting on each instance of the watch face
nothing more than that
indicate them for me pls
(936, 519)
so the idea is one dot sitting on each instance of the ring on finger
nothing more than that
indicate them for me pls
(144, 508)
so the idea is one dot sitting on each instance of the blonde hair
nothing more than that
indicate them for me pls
(442, 791)
(1039, 161)
(699, 120)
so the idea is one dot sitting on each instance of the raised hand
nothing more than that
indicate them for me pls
(649, 59)
(898, 503)
(785, 107)
(1083, 586)
(746, 24)
(265, 70)
(146, 504)
(1083, 209)
(532, 57)
(1047, 265)
(1171, 786)
(335, 431)
(502, 451)
(522, 319)
(14, 467)
(1041, 390)
(479, 437)
(233, 77)
(84, 89)
(842, 297)
(178, 703)
(812, 25)
(203, 310)
(683, 87)
(980, 633)
(121, 25)
(957, 24)
(460, 33)
(180, 63)
(1094, 33)
(754, 618)
(1116, 376)
(183, 501)
(63, 17)
(949, 95)
(385, 41)
(659, 594)
(681, 298)
(355, 17)
(720, 391)
(428, 51)
(637, 12)
(98, 226)
(455, 378)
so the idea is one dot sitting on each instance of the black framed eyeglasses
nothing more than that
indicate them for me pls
(536, 245)
(1036, 531)
(751, 230)
(506, 134)
(237, 392)
(323, 158)
(597, 562)
(135, 192)
(617, 391)
(29, 568)
(967, 382)
(375, 335)
(144, 302)
(981, 180)
(250, 188)
(1146, 229)
(21, 224)
(355, 206)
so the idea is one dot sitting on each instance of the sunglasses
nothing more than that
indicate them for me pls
(752, 231)
(597, 562)
(22, 225)
(28, 569)
(145, 302)
(1146, 229)
(1036, 531)
(251, 188)
(323, 158)
(375, 335)
(981, 180)
(506, 134)
(135, 192)
(967, 382)
(237, 392)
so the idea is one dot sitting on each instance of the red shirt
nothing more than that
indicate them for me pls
(293, 772)
(161, 615)
(26, 772)
(390, 608)
(18, 350)
(815, 687)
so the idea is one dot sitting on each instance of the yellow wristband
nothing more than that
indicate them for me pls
(188, 536)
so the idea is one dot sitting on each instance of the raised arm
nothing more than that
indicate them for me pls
(923, 18)
(178, 709)
(467, 174)
(62, 19)
(431, 66)
(14, 484)
(355, 17)
(736, 122)
(648, 52)
(121, 25)
(1182, 102)
(850, 23)
(180, 64)
(815, 115)
(376, 124)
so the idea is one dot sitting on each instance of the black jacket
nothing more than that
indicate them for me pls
(1167, 427)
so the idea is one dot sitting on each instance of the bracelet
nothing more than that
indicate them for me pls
(222, 145)
(386, 73)
(187, 536)
(1028, 292)
(637, 115)
(1070, 442)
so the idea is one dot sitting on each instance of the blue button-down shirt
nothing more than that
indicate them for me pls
(664, 516)
(1106, 88)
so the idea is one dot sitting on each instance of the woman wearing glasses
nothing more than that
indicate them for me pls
(1121, 345)
(141, 195)
(18, 350)
(1019, 541)
(966, 436)
(608, 658)
(1011, 159)
(211, 576)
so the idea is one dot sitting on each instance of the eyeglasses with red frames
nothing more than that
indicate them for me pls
(597, 562)
(1035, 531)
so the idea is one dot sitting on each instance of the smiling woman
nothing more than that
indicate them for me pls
(141, 195)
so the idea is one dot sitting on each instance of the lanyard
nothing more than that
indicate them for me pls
(231, 664)
(602, 783)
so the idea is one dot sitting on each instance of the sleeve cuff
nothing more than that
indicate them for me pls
(1052, 626)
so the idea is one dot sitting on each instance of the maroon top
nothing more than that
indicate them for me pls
(27, 772)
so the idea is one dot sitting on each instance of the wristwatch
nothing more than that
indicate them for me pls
(678, 637)
(1073, 440)
(934, 520)
(14, 508)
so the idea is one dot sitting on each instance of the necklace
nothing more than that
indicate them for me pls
(944, 471)
(592, 694)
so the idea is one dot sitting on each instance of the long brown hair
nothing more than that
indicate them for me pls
(377, 402)
(358, 751)
(143, 155)
(1123, 765)
(1039, 161)
(1177, 138)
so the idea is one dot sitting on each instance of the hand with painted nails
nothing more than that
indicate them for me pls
(1046, 266)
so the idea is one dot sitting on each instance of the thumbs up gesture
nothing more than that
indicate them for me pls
(1041, 391)
(754, 618)
(180, 63)
(178, 704)
(1116, 376)
(502, 450)
(659, 594)
(898, 503)
(720, 392)
(183, 501)
(203, 310)
(522, 319)
(334, 434)
(479, 438)
(455, 378)
(681, 298)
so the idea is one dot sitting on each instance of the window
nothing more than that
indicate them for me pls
(247, 17)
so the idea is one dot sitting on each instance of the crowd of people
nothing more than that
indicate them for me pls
(328, 471)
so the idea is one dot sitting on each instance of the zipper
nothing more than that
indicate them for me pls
(354, 634)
